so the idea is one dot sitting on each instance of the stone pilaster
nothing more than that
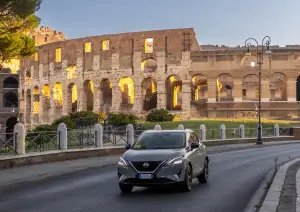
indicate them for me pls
(186, 95)
(265, 91)
(81, 103)
(211, 90)
(116, 98)
(138, 99)
(291, 90)
(52, 114)
(65, 101)
(161, 95)
(238, 91)
(97, 103)
(42, 107)
(115, 62)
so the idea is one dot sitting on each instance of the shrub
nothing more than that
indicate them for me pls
(159, 115)
(121, 119)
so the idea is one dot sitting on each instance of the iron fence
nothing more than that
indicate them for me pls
(232, 133)
(250, 132)
(115, 137)
(8, 143)
(42, 141)
(81, 138)
(285, 131)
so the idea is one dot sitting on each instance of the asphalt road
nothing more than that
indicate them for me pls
(234, 177)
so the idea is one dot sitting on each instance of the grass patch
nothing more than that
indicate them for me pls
(216, 123)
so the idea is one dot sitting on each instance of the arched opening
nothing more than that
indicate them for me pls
(10, 82)
(28, 106)
(148, 65)
(199, 87)
(149, 93)
(250, 87)
(106, 95)
(10, 99)
(28, 77)
(174, 92)
(45, 103)
(72, 98)
(71, 72)
(36, 100)
(10, 124)
(278, 87)
(58, 98)
(88, 98)
(127, 88)
(225, 88)
(298, 89)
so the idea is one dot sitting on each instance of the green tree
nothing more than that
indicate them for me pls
(17, 18)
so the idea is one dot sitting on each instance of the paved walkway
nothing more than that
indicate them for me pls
(31, 173)
(284, 193)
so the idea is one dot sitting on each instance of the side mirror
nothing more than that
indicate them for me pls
(195, 145)
(127, 146)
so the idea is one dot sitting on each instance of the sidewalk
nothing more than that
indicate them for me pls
(284, 193)
(31, 173)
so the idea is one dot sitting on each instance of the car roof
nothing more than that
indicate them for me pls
(175, 130)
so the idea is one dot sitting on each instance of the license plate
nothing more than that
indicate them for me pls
(145, 176)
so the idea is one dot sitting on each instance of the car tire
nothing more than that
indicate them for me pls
(125, 188)
(186, 185)
(203, 177)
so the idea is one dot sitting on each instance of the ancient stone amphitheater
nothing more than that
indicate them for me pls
(139, 71)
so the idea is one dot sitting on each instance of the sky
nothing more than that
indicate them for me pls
(216, 22)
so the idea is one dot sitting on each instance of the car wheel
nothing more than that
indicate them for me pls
(186, 185)
(203, 177)
(125, 188)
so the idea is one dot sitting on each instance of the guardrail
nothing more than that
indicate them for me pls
(20, 142)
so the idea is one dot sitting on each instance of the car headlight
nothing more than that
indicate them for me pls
(122, 163)
(174, 161)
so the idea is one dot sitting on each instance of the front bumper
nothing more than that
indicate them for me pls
(161, 176)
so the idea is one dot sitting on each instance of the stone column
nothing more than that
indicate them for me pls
(116, 98)
(96, 107)
(291, 90)
(186, 95)
(211, 90)
(80, 102)
(237, 90)
(161, 95)
(265, 91)
(138, 99)
(52, 114)
(65, 101)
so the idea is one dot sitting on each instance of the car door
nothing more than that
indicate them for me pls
(200, 153)
(192, 154)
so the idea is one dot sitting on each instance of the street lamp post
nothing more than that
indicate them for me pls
(259, 57)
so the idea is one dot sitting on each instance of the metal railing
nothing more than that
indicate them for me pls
(8, 143)
(42, 141)
(116, 137)
(81, 138)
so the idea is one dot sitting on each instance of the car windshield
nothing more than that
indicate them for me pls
(161, 140)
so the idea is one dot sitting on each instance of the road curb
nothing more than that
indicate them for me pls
(274, 193)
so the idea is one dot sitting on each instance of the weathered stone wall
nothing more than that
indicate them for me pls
(175, 52)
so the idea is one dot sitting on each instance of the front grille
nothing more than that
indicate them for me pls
(148, 182)
(152, 166)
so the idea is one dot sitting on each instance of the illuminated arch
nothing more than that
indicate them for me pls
(199, 87)
(127, 88)
(88, 87)
(250, 87)
(149, 65)
(72, 98)
(225, 87)
(58, 94)
(174, 92)
(149, 93)
(36, 100)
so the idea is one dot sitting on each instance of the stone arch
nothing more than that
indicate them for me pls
(250, 86)
(105, 95)
(248, 61)
(277, 87)
(88, 97)
(127, 88)
(10, 99)
(72, 98)
(10, 82)
(45, 102)
(58, 99)
(149, 65)
(71, 72)
(199, 87)
(28, 106)
(149, 89)
(225, 87)
(298, 89)
(174, 92)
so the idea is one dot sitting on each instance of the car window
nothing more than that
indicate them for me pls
(161, 140)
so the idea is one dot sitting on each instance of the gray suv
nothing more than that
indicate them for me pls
(162, 157)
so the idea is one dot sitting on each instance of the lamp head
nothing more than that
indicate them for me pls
(248, 52)
(268, 51)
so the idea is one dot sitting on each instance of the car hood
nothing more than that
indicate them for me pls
(152, 154)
